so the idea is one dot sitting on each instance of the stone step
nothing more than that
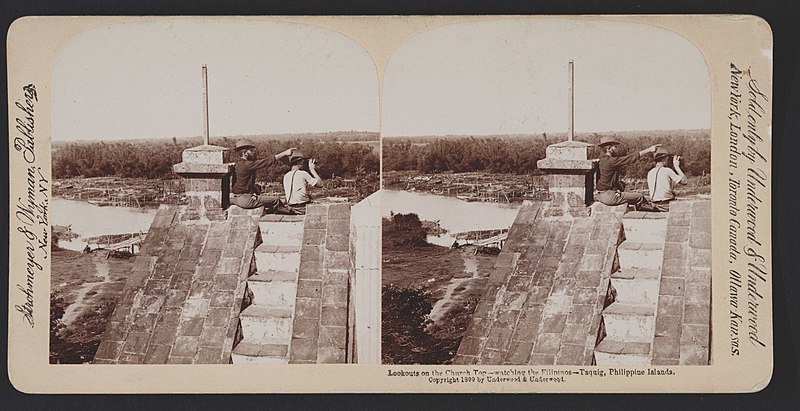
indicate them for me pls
(263, 324)
(634, 255)
(630, 322)
(276, 288)
(645, 230)
(277, 258)
(612, 352)
(236, 211)
(253, 353)
(282, 229)
(636, 286)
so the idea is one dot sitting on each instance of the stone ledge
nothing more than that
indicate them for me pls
(261, 350)
(216, 171)
(629, 309)
(618, 347)
(261, 311)
(272, 275)
(236, 211)
(566, 166)
(276, 218)
(638, 274)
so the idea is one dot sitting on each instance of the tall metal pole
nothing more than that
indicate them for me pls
(205, 105)
(571, 100)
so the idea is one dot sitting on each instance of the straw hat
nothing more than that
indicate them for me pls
(297, 156)
(661, 154)
(606, 140)
(244, 144)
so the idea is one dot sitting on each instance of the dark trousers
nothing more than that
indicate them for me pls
(255, 201)
(615, 198)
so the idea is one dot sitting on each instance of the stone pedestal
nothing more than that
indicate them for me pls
(570, 178)
(206, 181)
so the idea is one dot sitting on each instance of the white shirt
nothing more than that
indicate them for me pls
(297, 191)
(667, 179)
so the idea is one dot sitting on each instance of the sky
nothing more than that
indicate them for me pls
(144, 80)
(511, 76)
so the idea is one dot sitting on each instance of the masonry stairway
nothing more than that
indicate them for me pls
(266, 323)
(630, 320)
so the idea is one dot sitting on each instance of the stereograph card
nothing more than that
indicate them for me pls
(521, 204)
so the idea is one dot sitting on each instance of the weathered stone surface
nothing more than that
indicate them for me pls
(309, 288)
(697, 314)
(157, 354)
(668, 326)
(308, 307)
(316, 221)
(331, 355)
(519, 352)
(570, 354)
(666, 347)
(303, 350)
(334, 316)
(547, 343)
(332, 336)
(306, 328)
(187, 294)
(551, 272)
(334, 295)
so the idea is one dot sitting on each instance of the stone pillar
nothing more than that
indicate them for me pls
(570, 178)
(365, 235)
(206, 181)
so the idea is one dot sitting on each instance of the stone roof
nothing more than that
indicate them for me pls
(182, 300)
(546, 294)
(550, 291)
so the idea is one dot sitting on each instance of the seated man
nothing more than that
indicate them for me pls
(611, 191)
(245, 192)
(297, 180)
(661, 179)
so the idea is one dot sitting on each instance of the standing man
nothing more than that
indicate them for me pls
(246, 193)
(661, 179)
(611, 191)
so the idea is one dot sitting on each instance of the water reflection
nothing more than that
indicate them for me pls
(89, 220)
(453, 214)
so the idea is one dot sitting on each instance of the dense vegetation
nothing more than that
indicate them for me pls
(412, 270)
(341, 154)
(518, 155)
(77, 344)
(404, 323)
(403, 231)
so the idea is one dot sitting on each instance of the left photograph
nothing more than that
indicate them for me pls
(215, 196)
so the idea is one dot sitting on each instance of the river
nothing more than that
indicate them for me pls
(89, 220)
(453, 214)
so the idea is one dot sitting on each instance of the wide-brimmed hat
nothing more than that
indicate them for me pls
(661, 154)
(243, 144)
(297, 156)
(605, 140)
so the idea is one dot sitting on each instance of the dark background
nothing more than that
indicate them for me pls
(782, 392)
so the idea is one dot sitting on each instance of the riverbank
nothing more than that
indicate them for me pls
(474, 186)
(429, 295)
(151, 193)
(84, 289)
(508, 188)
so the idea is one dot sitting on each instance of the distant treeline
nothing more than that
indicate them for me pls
(518, 155)
(155, 158)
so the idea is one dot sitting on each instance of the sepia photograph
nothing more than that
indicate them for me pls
(207, 193)
(546, 196)
(390, 204)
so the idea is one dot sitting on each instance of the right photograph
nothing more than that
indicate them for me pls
(546, 196)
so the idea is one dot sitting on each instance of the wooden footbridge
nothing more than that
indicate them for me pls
(117, 242)
(483, 238)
